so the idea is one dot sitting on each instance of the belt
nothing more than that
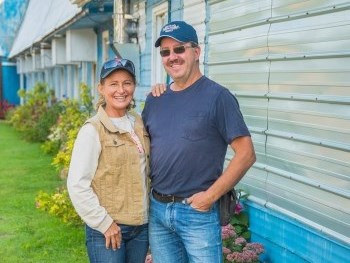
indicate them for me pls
(167, 198)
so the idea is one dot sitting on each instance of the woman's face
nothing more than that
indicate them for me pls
(118, 90)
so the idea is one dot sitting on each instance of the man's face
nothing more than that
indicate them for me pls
(179, 59)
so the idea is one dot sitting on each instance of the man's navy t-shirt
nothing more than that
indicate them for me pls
(190, 131)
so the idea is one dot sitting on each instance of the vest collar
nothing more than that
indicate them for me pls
(105, 120)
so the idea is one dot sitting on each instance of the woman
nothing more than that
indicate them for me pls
(107, 180)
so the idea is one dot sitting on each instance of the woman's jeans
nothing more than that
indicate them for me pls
(133, 248)
(180, 234)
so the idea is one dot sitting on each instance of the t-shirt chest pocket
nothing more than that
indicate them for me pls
(115, 152)
(194, 126)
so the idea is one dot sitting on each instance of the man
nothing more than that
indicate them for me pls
(190, 127)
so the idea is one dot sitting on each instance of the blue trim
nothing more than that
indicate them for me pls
(10, 83)
(287, 240)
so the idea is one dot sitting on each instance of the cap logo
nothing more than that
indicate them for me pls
(170, 28)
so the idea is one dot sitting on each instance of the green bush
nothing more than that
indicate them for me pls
(64, 133)
(35, 117)
(58, 204)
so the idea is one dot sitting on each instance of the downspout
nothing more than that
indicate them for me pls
(169, 11)
(125, 41)
(121, 7)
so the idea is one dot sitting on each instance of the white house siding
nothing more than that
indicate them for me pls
(288, 63)
(194, 13)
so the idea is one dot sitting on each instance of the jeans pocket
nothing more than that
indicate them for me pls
(200, 211)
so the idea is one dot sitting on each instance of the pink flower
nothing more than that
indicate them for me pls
(226, 251)
(242, 257)
(240, 241)
(228, 231)
(256, 247)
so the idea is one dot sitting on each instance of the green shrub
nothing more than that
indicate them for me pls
(58, 204)
(64, 132)
(35, 117)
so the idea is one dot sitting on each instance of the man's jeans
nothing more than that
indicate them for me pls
(180, 234)
(133, 248)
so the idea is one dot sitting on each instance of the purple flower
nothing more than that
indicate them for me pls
(238, 208)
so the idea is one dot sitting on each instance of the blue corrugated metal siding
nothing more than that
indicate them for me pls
(287, 240)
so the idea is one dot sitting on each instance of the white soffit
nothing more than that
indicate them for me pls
(42, 17)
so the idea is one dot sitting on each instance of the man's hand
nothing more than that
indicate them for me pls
(158, 89)
(200, 201)
(113, 236)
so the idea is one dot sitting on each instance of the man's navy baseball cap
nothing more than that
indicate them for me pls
(116, 64)
(178, 30)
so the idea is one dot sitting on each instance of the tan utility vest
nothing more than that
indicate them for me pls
(118, 181)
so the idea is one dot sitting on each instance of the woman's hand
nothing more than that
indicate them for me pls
(158, 89)
(113, 236)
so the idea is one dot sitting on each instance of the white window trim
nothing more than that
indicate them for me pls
(159, 13)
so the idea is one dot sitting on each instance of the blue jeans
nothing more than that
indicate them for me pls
(133, 248)
(180, 234)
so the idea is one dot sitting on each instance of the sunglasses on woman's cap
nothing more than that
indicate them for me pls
(114, 64)
(177, 50)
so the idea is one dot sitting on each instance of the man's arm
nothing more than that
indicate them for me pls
(244, 158)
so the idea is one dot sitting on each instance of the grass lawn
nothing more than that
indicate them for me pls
(26, 233)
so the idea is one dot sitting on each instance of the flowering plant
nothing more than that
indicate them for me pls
(235, 236)
(5, 106)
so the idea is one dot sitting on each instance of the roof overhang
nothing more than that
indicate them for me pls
(56, 18)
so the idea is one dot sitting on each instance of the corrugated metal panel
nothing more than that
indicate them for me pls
(288, 241)
(288, 62)
(194, 13)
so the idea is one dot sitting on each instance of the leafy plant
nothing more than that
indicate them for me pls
(58, 204)
(64, 132)
(39, 112)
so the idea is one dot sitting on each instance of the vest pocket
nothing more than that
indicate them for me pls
(115, 152)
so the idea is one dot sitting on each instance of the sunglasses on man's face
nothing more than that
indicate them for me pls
(177, 50)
